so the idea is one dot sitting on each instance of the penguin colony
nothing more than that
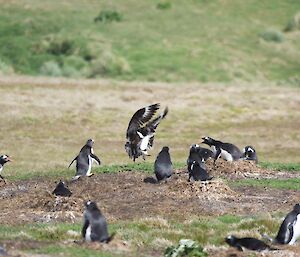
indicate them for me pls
(139, 140)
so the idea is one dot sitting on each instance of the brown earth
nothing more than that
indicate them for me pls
(126, 195)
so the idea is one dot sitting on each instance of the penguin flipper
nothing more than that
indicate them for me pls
(73, 161)
(217, 155)
(84, 228)
(95, 157)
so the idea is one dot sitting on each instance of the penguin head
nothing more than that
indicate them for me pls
(165, 148)
(90, 142)
(89, 205)
(297, 208)
(231, 240)
(208, 141)
(4, 159)
(248, 150)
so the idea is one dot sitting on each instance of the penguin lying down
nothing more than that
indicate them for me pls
(248, 243)
(61, 190)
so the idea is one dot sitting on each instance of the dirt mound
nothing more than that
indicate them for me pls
(237, 170)
(125, 195)
(180, 187)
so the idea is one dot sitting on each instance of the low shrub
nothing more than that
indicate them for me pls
(272, 35)
(108, 16)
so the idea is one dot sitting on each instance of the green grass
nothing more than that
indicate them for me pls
(151, 40)
(280, 166)
(292, 183)
(142, 235)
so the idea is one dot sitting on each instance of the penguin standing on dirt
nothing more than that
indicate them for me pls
(94, 224)
(84, 160)
(3, 159)
(141, 130)
(248, 243)
(250, 154)
(163, 165)
(227, 151)
(197, 171)
(61, 190)
(289, 230)
(198, 153)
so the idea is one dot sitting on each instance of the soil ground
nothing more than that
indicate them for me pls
(129, 195)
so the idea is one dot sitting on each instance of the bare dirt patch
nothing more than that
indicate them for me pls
(125, 195)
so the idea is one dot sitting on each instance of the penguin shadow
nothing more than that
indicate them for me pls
(150, 180)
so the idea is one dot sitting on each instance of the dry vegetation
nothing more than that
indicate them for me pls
(46, 121)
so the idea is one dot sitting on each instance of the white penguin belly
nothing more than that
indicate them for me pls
(296, 230)
(1, 168)
(145, 142)
(213, 148)
(90, 166)
(88, 234)
(226, 156)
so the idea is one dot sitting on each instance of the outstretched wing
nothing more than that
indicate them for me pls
(152, 125)
(141, 116)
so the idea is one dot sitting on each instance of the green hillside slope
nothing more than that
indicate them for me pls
(189, 40)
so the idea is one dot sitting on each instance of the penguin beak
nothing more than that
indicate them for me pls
(9, 159)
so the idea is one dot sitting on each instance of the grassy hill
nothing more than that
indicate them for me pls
(194, 40)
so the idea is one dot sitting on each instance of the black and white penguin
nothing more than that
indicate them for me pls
(84, 160)
(141, 130)
(94, 224)
(227, 151)
(163, 165)
(3, 159)
(198, 153)
(249, 154)
(289, 230)
(247, 243)
(62, 190)
(197, 171)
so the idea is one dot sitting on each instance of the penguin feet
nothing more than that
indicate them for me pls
(90, 175)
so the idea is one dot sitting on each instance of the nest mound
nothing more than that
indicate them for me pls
(237, 169)
(180, 187)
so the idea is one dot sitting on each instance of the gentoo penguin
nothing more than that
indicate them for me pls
(84, 160)
(197, 171)
(61, 190)
(248, 243)
(163, 164)
(198, 153)
(227, 151)
(94, 224)
(250, 154)
(3, 159)
(290, 228)
(141, 130)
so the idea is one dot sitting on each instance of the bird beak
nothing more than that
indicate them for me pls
(9, 159)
